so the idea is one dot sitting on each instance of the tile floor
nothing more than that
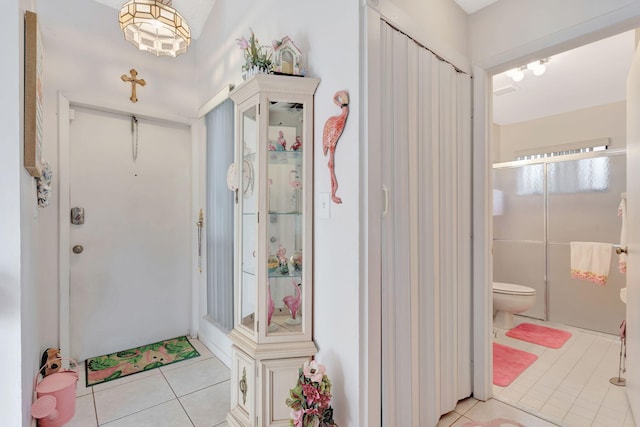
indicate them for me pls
(566, 387)
(470, 409)
(192, 393)
(570, 386)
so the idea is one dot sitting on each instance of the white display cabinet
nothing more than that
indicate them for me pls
(273, 288)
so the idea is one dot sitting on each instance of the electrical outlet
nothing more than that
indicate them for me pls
(324, 210)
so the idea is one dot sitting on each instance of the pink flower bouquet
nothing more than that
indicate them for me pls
(310, 399)
(255, 55)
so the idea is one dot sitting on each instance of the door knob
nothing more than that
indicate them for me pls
(77, 249)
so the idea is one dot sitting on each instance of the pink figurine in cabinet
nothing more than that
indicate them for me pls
(297, 145)
(270, 306)
(282, 143)
(293, 304)
(331, 133)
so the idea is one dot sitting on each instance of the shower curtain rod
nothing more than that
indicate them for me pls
(563, 158)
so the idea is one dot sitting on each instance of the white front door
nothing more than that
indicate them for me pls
(131, 283)
(633, 235)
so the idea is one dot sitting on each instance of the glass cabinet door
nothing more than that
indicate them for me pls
(284, 226)
(247, 200)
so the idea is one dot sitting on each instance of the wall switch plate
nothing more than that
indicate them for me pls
(324, 210)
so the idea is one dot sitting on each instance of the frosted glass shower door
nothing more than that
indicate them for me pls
(519, 230)
(583, 198)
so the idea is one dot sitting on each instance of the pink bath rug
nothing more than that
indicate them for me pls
(509, 363)
(541, 335)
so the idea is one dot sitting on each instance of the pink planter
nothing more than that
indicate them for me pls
(56, 399)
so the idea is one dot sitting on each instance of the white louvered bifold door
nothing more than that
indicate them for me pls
(426, 233)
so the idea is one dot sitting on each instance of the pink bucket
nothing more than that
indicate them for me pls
(56, 398)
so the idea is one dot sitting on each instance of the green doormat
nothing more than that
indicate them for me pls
(117, 365)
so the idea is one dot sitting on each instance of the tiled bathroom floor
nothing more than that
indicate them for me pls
(570, 386)
(483, 413)
(192, 393)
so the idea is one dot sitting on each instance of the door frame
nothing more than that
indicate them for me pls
(625, 18)
(604, 26)
(65, 105)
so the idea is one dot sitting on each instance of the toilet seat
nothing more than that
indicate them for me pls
(512, 289)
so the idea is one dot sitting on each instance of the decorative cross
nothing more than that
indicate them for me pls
(133, 81)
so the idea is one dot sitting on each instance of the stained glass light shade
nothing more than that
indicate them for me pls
(154, 26)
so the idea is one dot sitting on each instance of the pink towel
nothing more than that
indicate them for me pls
(590, 261)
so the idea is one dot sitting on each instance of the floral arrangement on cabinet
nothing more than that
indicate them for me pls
(257, 58)
(311, 397)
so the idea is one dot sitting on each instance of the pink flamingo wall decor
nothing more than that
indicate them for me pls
(331, 133)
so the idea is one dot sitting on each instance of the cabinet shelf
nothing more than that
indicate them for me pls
(276, 275)
(281, 319)
(285, 213)
(284, 158)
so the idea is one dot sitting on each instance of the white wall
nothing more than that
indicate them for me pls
(328, 35)
(10, 177)
(604, 121)
(19, 230)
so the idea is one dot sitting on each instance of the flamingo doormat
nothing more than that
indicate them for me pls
(509, 363)
(117, 365)
(541, 335)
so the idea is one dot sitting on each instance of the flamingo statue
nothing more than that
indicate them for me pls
(297, 145)
(333, 128)
(282, 143)
(270, 306)
(293, 301)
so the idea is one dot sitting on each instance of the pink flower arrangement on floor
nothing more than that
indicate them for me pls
(311, 397)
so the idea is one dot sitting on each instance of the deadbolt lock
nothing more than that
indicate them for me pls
(77, 216)
(77, 249)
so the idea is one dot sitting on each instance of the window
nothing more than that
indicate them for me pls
(572, 176)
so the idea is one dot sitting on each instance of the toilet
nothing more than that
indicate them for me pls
(510, 299)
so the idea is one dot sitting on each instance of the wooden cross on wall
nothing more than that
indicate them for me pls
(133, 81)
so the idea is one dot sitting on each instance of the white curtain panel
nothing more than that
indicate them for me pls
(219, 215)
(426, 269)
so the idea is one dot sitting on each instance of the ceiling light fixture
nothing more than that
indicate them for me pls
(537, 68)
(154, 26)
(517, 74)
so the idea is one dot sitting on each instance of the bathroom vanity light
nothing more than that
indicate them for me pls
(537, 68)
(154, 26)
